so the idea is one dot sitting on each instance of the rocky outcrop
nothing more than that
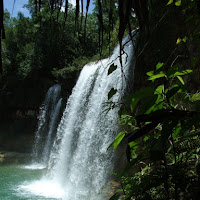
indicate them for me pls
(19, 107)
(14, 157)
(17, 133)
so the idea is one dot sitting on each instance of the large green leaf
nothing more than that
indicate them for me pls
(150, 73)
(184, 72)
(159, 65)
(159, 90)
(170, 2)
(112, 68)
(178, 3)
(172, 72)
(118, 139)
(195, 97)
(156, 76)
(181, 80)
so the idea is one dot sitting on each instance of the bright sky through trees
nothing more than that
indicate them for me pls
(18, 7)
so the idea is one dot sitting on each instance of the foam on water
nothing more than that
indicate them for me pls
(44, 188)
(34, 166)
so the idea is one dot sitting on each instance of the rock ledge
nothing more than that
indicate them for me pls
(14, 157)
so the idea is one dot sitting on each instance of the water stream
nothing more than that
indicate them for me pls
(79, 162)
(47, 124)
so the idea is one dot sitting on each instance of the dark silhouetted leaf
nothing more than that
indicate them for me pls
(173, 91)
(111, 93)
(112, 68)
(148, 104)
(140, 94)
(115, 196)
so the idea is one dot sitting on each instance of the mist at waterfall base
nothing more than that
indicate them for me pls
(79, 163)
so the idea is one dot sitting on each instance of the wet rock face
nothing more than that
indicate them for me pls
(19, 107)
(13, 157)
(17, 133)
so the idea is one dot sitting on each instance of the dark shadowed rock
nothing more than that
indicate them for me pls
(14, 157)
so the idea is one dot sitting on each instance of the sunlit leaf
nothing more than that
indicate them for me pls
(159, 89)
(146, 138)
(184, 72)
(178, 3)
(159, 65)
(195, 97)
(170, 2)
(156, 76)
(118, 139)
(178, 41)
(181, 80)
(184, 39)
(150, 73)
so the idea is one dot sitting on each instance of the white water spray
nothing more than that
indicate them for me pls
(80, 162)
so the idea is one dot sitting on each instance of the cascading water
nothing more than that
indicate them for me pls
(80, 162)
(47, 124)
(52, 129)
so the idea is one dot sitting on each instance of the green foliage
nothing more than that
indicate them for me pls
(47, 44)
(177, 2)
(168, 137)
(159, 65)
(118, 139)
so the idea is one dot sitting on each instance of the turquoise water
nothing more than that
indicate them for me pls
(19, 182)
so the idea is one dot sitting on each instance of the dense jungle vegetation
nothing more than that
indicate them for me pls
(160, 120)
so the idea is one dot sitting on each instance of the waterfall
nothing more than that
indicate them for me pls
(47, 124)
(52, 129)
(80, 162)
